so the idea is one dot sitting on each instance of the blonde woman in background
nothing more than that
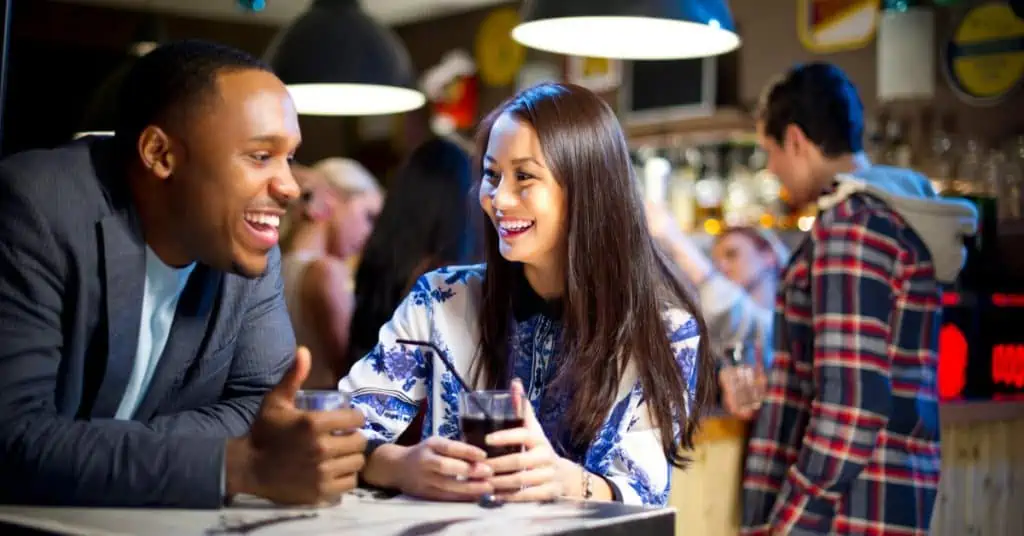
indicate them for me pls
(324, 231)
(363, 200)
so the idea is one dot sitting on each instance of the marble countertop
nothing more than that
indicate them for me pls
(358, 513)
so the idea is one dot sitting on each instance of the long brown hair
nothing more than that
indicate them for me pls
(617, 282)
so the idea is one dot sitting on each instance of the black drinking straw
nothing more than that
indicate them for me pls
(451, 368)
(487, 500)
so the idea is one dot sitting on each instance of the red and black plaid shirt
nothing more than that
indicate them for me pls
(847, 441)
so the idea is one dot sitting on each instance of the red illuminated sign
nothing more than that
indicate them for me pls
(952, 361)
(1008, 300)
(1008, 364)
(1006, 350)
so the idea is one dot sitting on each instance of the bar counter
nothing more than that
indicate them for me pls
(981, 492)
(360, 513)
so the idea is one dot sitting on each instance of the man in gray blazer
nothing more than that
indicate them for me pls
(141, 315)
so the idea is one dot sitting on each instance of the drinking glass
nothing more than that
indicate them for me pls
(743, 376)
(484, 412)
(321, 400)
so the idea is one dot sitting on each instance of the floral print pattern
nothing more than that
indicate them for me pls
(391, 381)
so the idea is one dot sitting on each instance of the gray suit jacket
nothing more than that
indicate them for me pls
(72, 272)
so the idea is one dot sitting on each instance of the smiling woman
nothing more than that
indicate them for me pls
(526, 204)
(575, 309)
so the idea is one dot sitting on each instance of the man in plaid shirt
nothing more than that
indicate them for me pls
(847, 438)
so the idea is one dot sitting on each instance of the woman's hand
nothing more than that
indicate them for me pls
(445, 470)
(535, 474)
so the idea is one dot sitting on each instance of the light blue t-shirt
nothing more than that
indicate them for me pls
(164, 285)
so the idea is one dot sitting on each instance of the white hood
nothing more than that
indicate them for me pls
(942, 223)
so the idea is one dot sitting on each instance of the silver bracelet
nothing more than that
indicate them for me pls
(588, 488)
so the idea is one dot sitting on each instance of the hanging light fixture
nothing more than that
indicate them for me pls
(628, 29)
(336, 60)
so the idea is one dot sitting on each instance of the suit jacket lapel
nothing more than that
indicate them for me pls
(124, 265)
(193, 319)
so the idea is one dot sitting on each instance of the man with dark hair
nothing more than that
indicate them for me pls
(145, 344)
(847, 440)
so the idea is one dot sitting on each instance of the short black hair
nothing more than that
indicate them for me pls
(821, 100)
(173, 81)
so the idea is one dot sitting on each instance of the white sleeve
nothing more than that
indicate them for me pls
(389, 383)
(635, 462)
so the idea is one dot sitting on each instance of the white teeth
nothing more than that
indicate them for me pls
(271, 220)
(515, 225)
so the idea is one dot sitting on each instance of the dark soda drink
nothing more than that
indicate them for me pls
(475, 429)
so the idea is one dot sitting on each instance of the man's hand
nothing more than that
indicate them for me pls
(296, 457)
(743, 389)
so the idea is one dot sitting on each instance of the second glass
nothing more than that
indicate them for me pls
(484, 412)
(744, 374)
(321, 400)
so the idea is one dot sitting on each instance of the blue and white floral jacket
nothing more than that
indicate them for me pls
(389, 383)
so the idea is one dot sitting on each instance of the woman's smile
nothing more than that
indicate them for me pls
(512, 228)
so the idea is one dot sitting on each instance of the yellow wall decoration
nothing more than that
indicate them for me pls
(498, 56)
(826, 26)
(984, 58)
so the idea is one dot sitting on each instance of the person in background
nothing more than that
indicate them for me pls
(360, 197)
(753, 259)
(340, 203)
(145, 346)
(425, 224)
(737, 286)
(575, 309)
(328, 225)
(847, 439)
(306, 177)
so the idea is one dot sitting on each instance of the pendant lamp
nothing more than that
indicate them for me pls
(336, 60)
(628, 29)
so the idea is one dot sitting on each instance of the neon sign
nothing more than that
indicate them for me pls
(1005, 369)
(952, 361)
(1008, 300)
(1008, 364)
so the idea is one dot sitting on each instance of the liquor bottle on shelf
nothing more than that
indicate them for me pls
(1013, 177)
(970, 184)
(940, 164)
(788, 214)
(639, 158)
(968, 180)
(767, 188)
(795, 217)
(739, 206)
(897, 150)
(682, 180)
(709, 191)
(656, 171)
(1003, 179)
(874, 139)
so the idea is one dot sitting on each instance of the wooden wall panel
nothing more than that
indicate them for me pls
(982, 487)
(981, 492)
